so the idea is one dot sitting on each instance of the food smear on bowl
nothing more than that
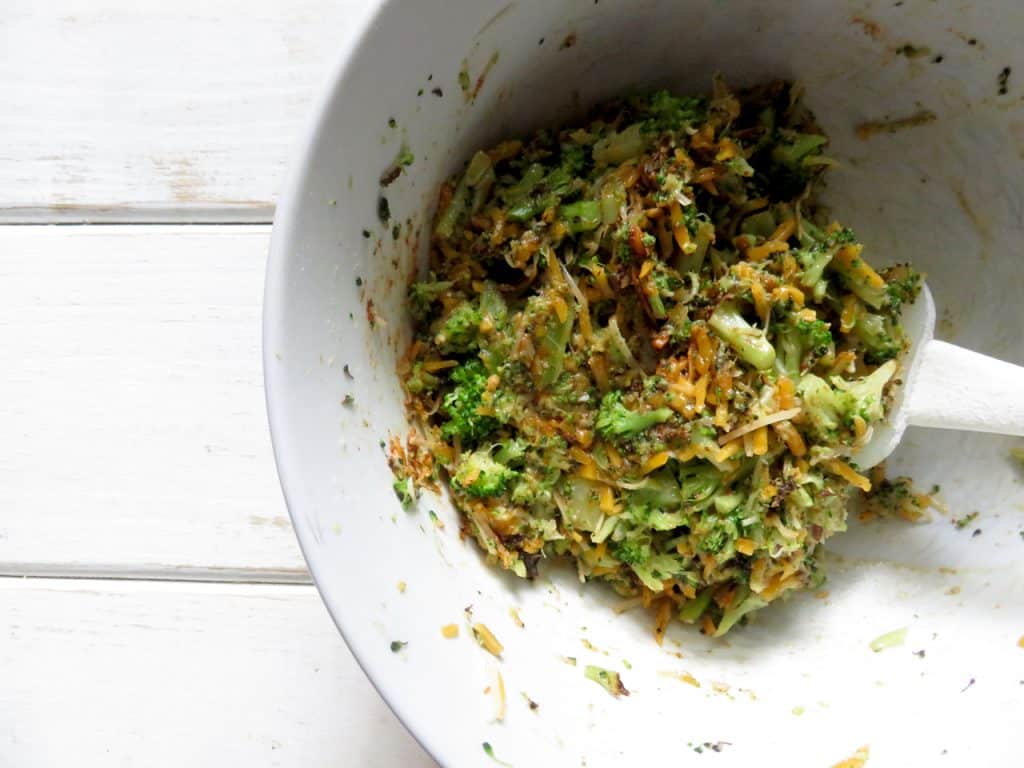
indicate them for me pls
(643, 346)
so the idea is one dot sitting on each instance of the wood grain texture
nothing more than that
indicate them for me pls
(156, 111)
(152, 675)
(136, 439)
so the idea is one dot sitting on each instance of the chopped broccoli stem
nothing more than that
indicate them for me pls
(581, 216)
(615, 420)
(750, 343)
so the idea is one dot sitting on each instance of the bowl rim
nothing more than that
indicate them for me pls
(300, 164)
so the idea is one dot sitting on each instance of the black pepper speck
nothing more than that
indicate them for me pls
(1004, 81)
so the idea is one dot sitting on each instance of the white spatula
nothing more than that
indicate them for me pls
(946, 387)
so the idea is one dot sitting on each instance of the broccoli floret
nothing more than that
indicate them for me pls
(859, 277)
(511, 452)
(740, 166)
(802, 344)
(673, 113)
(828, 408)
(903, 285)
(743, 602)
(714, 542)
(790, 170)
(817, 334)
(420, 381)
(537, 191)
(541, 317)
(462, 404)
(821, 405)
(422, 296)
(818, 255)
(479, 474)
(633, 552)
(657, 569)
(863, 397)
(813, 260)
(881, 337)
(749, 342)
(460, 331)
(616, 420)
(573, 158)
(656, 518)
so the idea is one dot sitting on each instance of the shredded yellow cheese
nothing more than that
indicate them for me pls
(433, 366)
(607, 504)
(745, 546)
(760, 441)
(848, 473)
(487, 640)
(756, 424)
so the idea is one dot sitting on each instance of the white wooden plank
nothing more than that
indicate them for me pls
(135, 435)
(150, 675)
(146, 110)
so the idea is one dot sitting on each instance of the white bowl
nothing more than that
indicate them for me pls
(799, 686)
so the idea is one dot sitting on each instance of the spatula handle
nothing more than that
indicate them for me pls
(955, 388)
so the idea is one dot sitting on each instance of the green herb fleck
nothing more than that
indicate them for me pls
(489, 751)
(889, 640)
(963, 522)
(397, 645)
(348, 400)
(607, 679)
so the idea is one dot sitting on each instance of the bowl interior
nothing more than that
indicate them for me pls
(801, 682)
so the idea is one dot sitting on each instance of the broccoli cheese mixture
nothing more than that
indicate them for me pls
(642, 346)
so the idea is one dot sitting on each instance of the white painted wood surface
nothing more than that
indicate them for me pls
(127, 673)
(147, 110)
(137, 439)
(154, 606)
